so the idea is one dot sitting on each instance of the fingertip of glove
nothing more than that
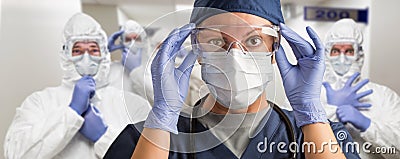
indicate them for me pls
(282, 25)
(311, 32)
(187, 28)
(190, 26)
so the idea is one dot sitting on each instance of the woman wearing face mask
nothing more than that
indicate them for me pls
(235, 41)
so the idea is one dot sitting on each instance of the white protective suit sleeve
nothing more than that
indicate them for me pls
(101, 146)
(136, 108)
(39, 132)
(142, 83)
(385, 132)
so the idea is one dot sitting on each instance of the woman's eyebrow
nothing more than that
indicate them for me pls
(247, 34)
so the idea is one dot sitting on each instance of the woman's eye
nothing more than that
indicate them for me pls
(217, 42)
(253, 41)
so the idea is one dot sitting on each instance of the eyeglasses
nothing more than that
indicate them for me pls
(337, 52)
(132, 40)
(336, 47)
(222, 38)
(81, 51)
(75, 53)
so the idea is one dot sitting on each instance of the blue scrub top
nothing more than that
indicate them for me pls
(272, 128)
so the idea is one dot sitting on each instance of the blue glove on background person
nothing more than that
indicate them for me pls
(128, 59)
(348, 95)
(350, 114)
(84, 90)
(302, 82)
(182, 52)
(93, 127)
(170, 84)
(131, 60)
(111, 41)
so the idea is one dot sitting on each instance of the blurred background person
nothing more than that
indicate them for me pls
(25, 71)
(81, 117)
(129, 73)
(368, 108)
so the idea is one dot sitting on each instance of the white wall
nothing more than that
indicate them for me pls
(107, 16)
(385, 54)
(30, 44)
(122, 17)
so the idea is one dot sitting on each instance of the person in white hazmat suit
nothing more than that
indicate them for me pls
(130, 73)
(81, 117)
(369, 109)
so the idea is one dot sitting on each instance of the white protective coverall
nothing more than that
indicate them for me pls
(384, 130)
(45, 126)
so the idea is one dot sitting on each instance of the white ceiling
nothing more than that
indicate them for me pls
(146, 9)
(157, 8)
(140, 2)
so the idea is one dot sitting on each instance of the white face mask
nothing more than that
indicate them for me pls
(236, 79)
(342, 64)
(87, 65)
(135, 50)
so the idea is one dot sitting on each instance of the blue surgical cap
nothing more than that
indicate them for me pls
(267, 9)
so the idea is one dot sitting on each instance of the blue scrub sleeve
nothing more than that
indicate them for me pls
(125, 143)
(345, 140)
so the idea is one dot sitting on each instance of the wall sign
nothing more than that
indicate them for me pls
(335, 14)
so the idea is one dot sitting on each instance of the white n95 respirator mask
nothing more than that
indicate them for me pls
(135, 48)
(342, 64)
(236, 79)
(87, 65)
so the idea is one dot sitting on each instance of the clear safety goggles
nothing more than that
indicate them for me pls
(351, 53)
(76, 54)
(132, 39)
(221, 38)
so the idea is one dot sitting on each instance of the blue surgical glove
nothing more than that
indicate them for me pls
(350, 114)
(182, 52)
(84, 90)
(302, 82)
(131, 60)
(348, 95)
(93, 127)
(170, 84)
(111, 41)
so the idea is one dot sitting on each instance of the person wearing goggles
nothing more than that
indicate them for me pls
(130, 73)
(234, 41)
(367, 108)
(81, 117)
